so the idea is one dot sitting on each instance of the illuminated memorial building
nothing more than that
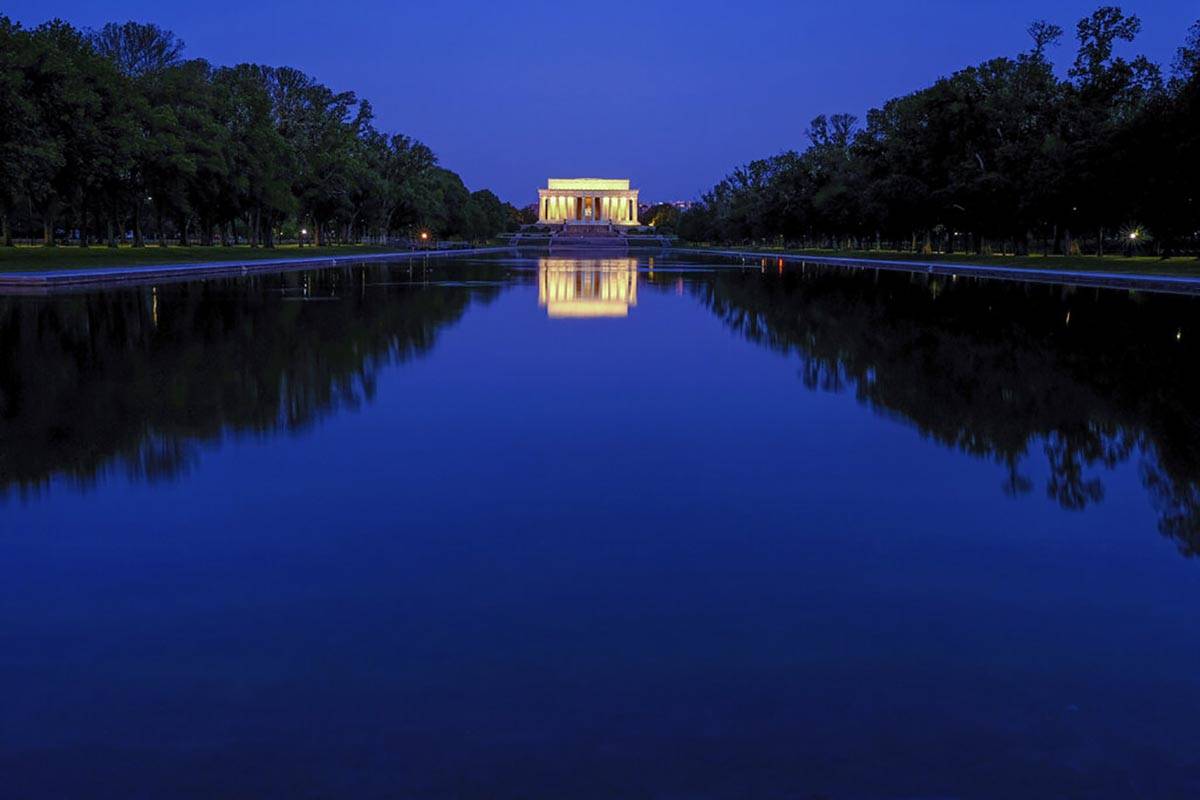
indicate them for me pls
(588, 200)
(571, 287)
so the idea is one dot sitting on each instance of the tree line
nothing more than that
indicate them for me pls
(1003, 156)
(113, 135)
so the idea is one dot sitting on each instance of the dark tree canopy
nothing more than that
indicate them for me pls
(1001, 155)
(138, 49)
(104, 135)
(1187, 60)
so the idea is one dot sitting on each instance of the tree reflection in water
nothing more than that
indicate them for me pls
(1089, 377)
(135, 381)
(138, 380)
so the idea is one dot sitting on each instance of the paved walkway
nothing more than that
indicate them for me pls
(99, 277)
(1110, 280)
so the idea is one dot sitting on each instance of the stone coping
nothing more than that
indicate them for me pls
(100, 277)
(44, 282)
(1107, 280)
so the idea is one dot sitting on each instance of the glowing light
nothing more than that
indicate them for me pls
(304, 231)
(1133, 235)
(424, 235)
(593, 184)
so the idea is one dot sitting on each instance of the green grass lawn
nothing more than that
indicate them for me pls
(29, 259)
(1188, 266)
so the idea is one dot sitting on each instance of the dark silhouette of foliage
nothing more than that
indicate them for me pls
(138, 49)
(102, 131)
(1001, 156)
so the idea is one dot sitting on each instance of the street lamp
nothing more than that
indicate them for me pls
(303, 233)
(1134, 240)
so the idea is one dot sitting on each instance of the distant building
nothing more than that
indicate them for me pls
(588, 200)
(682, 205)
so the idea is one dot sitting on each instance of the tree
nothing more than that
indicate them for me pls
(1044, 34)
(526, 215)
(1108, 94)
(137, 49)
(697, 224)
(405, 161)
(436, 200)
(81, 128)
(142, 54)
(260, 157)
(1187, 58)
(663, 217)
(1098, 35)
(484, 216)
(19, 148)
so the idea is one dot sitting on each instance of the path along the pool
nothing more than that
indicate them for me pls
(1108, 280)
(49, 281)
(99, 277)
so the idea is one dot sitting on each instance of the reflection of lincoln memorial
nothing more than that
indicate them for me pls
(573, 287)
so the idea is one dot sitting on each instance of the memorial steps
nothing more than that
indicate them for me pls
(600, 239)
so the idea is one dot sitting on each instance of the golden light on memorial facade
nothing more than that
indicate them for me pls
(597, 201)
(587, 288)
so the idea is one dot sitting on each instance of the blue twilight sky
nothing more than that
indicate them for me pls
(672, 95)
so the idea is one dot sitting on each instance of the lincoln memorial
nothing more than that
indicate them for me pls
(591, 200)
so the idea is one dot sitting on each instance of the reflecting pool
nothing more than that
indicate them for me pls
(647, 527)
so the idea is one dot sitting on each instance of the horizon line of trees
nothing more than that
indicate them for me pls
(1004, 156)
(112, 135)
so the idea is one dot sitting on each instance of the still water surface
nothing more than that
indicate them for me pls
(524, 528)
